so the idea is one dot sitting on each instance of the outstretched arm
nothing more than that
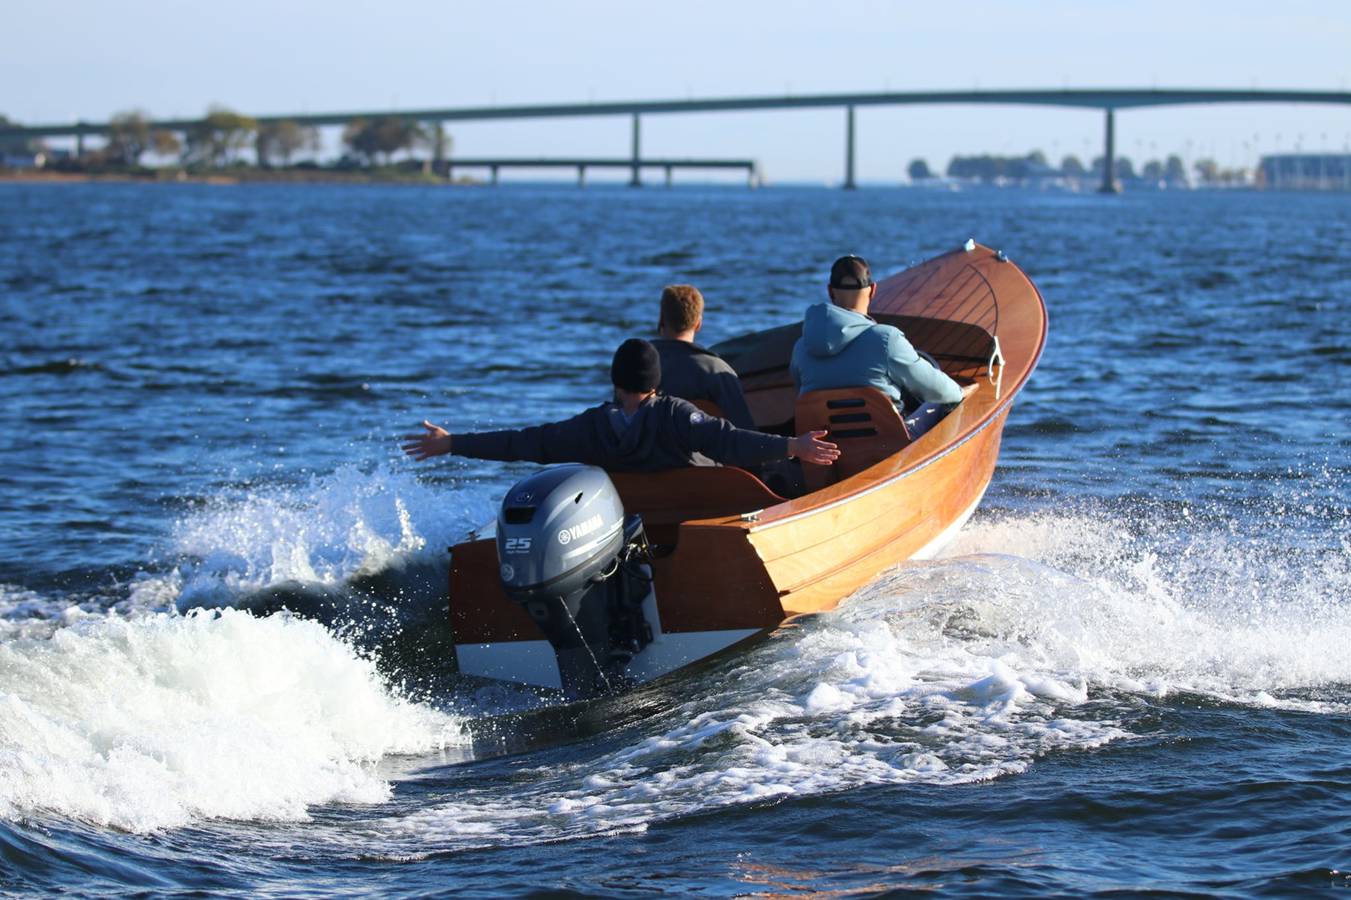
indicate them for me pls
(435, 441)
(571, 440)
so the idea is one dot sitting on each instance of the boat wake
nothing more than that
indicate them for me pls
(1037, 633)
(963, 669)
(1165, 603)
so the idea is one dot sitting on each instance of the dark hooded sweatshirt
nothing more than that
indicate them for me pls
(665, 433)
(690, 372)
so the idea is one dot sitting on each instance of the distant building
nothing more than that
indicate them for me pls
(1305, 172)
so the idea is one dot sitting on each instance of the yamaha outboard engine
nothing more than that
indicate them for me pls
(581, 569)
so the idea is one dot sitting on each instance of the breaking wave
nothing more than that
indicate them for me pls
(158, 721)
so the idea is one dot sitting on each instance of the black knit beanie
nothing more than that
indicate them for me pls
(636, 366)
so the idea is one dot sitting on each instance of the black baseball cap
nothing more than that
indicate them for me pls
(851, 273)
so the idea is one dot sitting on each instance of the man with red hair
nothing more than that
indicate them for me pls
(689, 371)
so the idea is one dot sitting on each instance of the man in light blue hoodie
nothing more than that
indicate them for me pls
(841, 346)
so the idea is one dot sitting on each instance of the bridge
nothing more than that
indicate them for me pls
(1108, 100)
(581, 164)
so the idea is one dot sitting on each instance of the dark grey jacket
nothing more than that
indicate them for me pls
(690, 372)
(665, 433)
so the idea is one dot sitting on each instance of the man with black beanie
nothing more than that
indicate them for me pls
(636, 367)
(641, 431)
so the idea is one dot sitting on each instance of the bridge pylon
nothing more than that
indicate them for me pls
(1109, 183)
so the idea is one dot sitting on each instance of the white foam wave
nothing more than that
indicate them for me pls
(25, 613)
(844, 702)
(336, 526)
(1157, 610)
(158, 721)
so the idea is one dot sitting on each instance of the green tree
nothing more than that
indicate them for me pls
(994, 168)
(1122, 167)
(128, 138)
(383, 137)
(395, 134)
(986, 167)
(1174, 171)
(165, 143)
(1071, 167)
(218, 138)
(283, 140)
(1152, 171)
(1207, 170)
(360, 139)
(919, 170)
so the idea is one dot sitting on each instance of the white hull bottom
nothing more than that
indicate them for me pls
(533, 662)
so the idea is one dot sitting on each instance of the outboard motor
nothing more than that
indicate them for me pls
(581, 569)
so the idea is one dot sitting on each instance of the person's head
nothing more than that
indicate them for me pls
(682, 312)
(635, 370)
(851, 283)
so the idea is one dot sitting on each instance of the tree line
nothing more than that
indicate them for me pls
(222, 137)
(1034, 165)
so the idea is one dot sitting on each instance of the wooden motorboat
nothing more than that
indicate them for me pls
(732, 560)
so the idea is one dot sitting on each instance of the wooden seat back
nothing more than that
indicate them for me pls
(861, 420)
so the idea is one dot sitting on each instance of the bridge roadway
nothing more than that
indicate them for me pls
(1107, 99)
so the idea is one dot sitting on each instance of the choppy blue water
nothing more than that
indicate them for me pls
(1131, 672)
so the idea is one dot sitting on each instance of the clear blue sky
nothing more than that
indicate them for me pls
(88, 59)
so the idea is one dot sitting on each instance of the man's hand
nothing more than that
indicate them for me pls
(809, 448)
(434, 442)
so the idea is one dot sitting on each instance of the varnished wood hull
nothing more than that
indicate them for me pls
(737, 560)
(823, 554)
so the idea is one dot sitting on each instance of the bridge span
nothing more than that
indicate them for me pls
(1109, 100)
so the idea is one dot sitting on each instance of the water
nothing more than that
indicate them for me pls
(1130, 672)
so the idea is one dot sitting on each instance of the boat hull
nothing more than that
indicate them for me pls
(821, 555)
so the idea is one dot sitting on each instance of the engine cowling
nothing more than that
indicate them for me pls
(557, 529)
(580, 568)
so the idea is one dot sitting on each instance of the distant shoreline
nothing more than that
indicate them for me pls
(243, 176)
(415, 179)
